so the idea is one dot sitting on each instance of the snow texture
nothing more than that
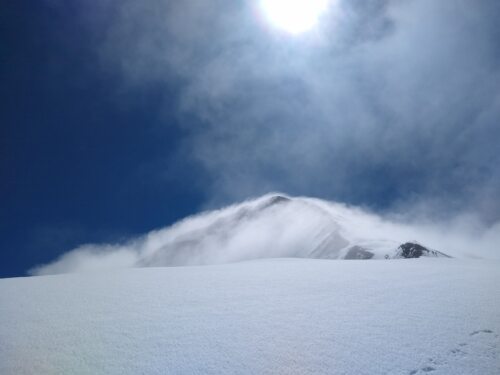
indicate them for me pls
(273, 316)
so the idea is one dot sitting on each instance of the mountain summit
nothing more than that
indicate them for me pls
(281, 226)
(273, 226)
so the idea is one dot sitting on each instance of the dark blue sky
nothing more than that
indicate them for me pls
(118, 117)
(78, 157)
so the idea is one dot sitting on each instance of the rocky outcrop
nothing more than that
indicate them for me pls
(358, 252)
(410, 250)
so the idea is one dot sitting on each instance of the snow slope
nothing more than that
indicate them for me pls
(273, 226)
(273, 316)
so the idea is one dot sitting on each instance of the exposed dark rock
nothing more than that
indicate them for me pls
(357, 252)
(414, 250)
(411, 250)
(277, 199)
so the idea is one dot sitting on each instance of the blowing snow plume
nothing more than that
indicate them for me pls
(275, 226)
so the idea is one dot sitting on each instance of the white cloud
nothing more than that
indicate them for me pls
(391, 104)
(394, 100)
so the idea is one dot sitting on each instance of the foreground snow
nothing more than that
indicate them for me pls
(287, 316)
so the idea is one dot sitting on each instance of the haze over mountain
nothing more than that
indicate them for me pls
(275, 226)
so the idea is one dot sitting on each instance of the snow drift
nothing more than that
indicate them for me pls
(273, 226)
(272, 316)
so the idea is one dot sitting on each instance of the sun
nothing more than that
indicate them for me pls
(293, 16)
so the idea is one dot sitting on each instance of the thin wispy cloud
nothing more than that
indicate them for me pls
(383, 103)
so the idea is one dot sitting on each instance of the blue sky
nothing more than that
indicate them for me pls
(76, 165)
(118, 117)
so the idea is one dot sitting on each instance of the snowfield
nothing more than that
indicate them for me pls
(273, 316)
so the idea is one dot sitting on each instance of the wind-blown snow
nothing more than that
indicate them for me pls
(286, 316)
(272, 226)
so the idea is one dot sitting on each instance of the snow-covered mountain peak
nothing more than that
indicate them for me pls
(272, 226)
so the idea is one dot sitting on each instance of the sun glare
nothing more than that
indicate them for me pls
(293, 16)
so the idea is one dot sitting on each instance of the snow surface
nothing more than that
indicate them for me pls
(272, 316)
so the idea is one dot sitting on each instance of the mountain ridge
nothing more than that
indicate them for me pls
(272, 226)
